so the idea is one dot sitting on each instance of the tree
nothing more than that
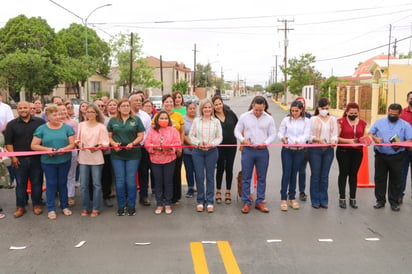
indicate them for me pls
(76, 66)
(328, 90)
(143, 75)
(203, 75)
(301, 73)
(28, 54)
(405, 56)
(182, 86)
(275, 89)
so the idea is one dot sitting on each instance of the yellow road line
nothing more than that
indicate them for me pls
(228, 258)
(199, 258)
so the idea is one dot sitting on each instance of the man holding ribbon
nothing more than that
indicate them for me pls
(18, 136)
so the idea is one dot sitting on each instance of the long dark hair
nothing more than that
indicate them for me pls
(323, 102)
(260, 100)
(299, 105)
(156, 119)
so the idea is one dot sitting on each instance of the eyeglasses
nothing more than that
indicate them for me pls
(91, 112)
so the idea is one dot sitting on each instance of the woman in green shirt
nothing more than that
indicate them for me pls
(125, 133)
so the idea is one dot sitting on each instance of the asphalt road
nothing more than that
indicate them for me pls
(176, 240)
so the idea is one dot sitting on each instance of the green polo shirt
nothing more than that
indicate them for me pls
(125, 133)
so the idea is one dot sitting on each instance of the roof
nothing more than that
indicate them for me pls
(155, 62)
(384, 63)
(363, 69)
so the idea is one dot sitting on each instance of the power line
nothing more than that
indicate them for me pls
(364, 51)
(261, 16)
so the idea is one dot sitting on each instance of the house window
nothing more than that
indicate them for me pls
(95, 87)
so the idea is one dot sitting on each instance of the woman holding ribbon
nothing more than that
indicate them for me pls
(294, 130)
(350, 129)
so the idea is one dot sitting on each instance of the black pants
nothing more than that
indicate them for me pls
(177, 180)
(144, 167)
(388, 164)
(225, 164)
(107, 177)
(349, 160)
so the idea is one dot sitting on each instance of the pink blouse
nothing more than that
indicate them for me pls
(168, 137)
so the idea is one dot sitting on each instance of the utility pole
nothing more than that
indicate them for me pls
(276, 69)
(161, 72)
(394, 47)
(285, 60)
(131, 64)
(194, 71)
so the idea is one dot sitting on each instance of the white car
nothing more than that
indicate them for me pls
(156, 101)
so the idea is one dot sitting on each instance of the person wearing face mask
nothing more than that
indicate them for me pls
(162, 142)
(324, 132)
(350, 129)
(407, 163)
(389, 159)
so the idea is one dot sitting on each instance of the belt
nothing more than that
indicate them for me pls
(388, 155)
(293, 148)
(256, 148)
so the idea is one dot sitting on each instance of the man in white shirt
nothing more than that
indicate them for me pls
(6, 114)
(255, 130)
(136, 104)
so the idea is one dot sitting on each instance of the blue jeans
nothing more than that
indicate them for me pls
(251, 158)
(56, 181)
(205, 162)
(30, 168)
(125, 178)
(291, 162)
(320, 161)
(163, 175)
(407, 164)
(96, 172)
(190, 172)
(302, 171)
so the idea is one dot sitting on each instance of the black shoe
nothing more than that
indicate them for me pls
(120, 212)
(144, 201)
(302, 196)
(395, 208)
(131, 211)
(107, 203)
(352, 203)
(1, 209)
(379, 205)
(342, 203)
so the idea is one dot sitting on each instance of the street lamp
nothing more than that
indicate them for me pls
(84, 21)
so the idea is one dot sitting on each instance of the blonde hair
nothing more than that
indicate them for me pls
(51, 109)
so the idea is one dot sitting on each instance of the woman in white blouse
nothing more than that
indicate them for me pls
(294, 130)
(323, 131)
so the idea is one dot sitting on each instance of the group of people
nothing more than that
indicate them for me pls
(133, 143)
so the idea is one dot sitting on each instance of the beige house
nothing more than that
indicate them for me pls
(173, 72)
(370, 88)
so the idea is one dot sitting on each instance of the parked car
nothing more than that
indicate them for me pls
(225, 97)
(157, 101)
(191, 98)
(243, 94)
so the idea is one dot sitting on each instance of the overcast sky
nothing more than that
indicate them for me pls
(241, 37)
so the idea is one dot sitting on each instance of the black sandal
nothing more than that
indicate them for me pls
(228, 199)
(218, 197)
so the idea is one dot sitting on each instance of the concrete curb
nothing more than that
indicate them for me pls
(279, 104)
